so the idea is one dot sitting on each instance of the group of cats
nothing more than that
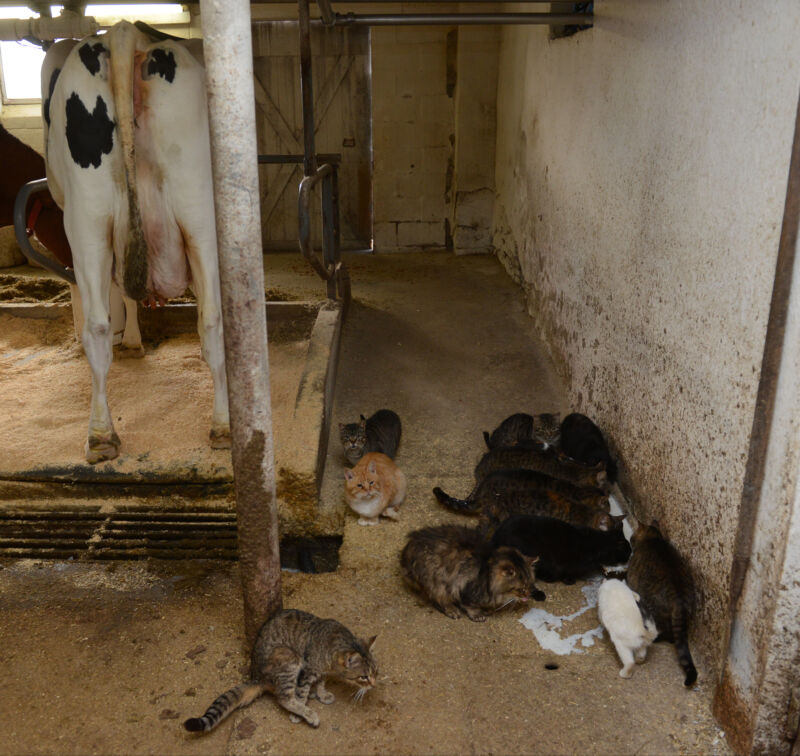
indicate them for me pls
(541, 496)
(542, 501)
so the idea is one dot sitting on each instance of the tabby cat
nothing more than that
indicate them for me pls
(377, 433)
(630, 630)
(506, 492)
(458, 571)
(375, 488)
(566, 552)
(661, 577)
(523, 427)
(530, 455)
(582, 440)
(293, 655)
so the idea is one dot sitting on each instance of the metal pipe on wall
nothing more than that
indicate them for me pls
(455, 19)
(231, 104)
(306, 88)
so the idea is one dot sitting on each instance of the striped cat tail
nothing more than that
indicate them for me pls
(225, 705)
(680, 633)
(464, 506)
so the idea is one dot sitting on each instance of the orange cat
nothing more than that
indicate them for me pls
(375, 486)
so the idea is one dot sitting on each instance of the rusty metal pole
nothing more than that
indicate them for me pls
(231, 105)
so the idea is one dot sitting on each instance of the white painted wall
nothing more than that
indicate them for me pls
(641, 176)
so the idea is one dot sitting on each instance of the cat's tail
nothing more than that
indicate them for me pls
(225, 705)
(464, 506)
(680, 632)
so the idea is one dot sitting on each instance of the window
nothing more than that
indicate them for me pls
(20, 62)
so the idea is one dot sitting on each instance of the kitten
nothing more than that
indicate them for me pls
(506, 492)
(661, 577)
(378, 433)
(566, 552)
(375, 487)
(293, 655)
(458, 571)
(530, 455)
(630, 630)
(582, 440)
(523, 427)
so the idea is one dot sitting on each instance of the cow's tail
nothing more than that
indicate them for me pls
(122, 54)
(225, 705)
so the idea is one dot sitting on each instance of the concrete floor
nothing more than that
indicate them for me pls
(110, 658)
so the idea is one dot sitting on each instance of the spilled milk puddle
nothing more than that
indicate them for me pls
(548, 627)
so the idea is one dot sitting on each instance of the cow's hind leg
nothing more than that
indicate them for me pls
(205, 284)
(93, 274)
(131, 345)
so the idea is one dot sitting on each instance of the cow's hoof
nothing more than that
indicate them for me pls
(129, 351)
(102, 449)
(220, 438)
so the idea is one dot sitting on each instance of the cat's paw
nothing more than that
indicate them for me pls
(367, 521)
(294, 719)
(312, 718)
(452, 613)
(324, 696)
(477, 617)
(626, 672)
(391, 513)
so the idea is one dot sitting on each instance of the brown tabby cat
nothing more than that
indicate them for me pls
(375, 488)
(459, 571)
(661, 577)
(293, 654)
(500, 483)
(521, 427)
(508, 492)
(530, 455)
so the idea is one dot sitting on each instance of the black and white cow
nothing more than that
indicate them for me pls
(129, 162)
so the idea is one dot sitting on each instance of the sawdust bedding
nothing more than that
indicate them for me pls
(161, 404)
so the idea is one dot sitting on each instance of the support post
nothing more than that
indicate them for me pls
(231, 104)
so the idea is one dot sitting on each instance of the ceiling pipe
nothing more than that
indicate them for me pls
(460, 19)
(66, 26)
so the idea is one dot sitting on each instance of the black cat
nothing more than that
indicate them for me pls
(582, 440)
(566, 552)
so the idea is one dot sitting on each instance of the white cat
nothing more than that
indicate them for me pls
(630, 631)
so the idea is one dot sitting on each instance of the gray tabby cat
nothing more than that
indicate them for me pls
(519, 427)
(293, 654)
(378, 433)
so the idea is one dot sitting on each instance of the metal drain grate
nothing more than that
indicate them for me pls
(118, 535)
(89, 534)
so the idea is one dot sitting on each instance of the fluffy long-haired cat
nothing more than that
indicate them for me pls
(521, 427)
(661, 577)
(375, 487)
(630, 630)
(566, 552)
(459, 571)
(378, 433)
(293, 655)
(582, 440)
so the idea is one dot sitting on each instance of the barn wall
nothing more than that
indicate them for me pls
(641, 176)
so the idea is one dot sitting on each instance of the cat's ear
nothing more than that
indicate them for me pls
(372, 467)
(363, 419)
(349, 474)
(533, 560)
(371, 642)
(349, 659)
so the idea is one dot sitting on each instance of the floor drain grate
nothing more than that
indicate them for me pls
(95, 535)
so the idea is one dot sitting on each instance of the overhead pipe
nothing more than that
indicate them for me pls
(67, 25)
(232, 122)
(460, 19)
